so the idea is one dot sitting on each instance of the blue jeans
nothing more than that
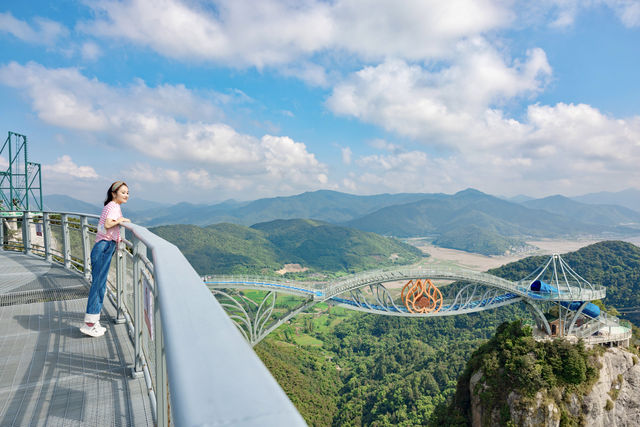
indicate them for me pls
(100, 261)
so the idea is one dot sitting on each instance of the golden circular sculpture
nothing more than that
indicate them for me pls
(421, 296)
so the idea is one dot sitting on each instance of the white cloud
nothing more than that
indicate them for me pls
(247, 33)
(90, 51)
(43, 31)
(346, 155)
(566, 148)
(452, 105)
(313, 74)
(142, 172)
(627, 10)
(241, 32)
(200, 178)
(4, 163)
(412, 29)
(168, 122)
(550, 149)
(65, 167)
(381, 144)
(271, 32)
(563, 13)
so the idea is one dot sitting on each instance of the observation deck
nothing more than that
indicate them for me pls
(171, 355)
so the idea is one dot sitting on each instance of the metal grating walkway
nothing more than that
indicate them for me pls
(51, 374)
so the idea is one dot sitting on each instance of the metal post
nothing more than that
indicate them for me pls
(26, 177)
(1, 234)
(11, 204)
(120, 282)
(86, 248)
(26, 232)
(66, 246)
(40, 187)
(138, 248)
(46, 231)
(162, 397)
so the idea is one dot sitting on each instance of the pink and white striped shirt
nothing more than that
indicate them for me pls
(111, 210)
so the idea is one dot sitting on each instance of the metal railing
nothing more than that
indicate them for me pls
(198, 368)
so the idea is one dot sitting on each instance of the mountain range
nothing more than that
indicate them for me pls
(468, 220)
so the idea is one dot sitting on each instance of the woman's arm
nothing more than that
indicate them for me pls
(108, 223)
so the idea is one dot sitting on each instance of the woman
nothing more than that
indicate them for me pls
(107, 238)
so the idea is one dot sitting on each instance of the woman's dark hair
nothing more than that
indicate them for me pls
(113, 188)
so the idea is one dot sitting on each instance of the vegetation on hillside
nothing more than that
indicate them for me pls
(513, 361)
(386, 370)
(266, 247)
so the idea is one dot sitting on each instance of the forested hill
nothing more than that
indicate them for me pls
(266, 247)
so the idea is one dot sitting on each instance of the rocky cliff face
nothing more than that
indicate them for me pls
(613, 401)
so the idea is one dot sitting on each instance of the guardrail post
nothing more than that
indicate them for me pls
(26, 232)
(138, 248)
(86, 248)
(1, 234)
(162, 395)
(66, 246)
(120, 281)
(46, 232)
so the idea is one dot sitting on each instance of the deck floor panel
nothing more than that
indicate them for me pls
(53, 375)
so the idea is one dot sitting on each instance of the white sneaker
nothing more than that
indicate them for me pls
(100, 327)
(93, 331)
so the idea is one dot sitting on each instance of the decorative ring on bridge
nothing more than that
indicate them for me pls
(421, 296)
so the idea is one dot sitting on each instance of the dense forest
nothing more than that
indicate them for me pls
(346, 368)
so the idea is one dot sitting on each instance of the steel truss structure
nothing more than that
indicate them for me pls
(21, 181)
(410, 292)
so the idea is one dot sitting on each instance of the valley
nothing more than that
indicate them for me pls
(480, 262)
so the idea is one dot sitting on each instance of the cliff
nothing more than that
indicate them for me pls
(613, 400)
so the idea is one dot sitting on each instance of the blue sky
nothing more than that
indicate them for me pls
(202, 100)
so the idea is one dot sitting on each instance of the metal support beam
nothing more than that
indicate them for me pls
(575, 317)
(539, 315)
(120, 282)
(66, 244)
(46, 231)
(138, 249)
(26, 234)
(86, 248)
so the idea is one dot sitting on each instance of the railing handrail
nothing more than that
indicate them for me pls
(204, 348)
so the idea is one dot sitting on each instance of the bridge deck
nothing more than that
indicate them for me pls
(51, 374)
